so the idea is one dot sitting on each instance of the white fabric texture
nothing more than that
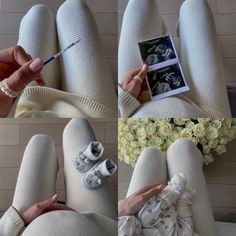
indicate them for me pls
(86, 88)
(37, 181)
(161, 216)
(199, 55)
(78, 134)
(182, 157)
(37, 35)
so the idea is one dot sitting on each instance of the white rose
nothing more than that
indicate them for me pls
(204, 120)
(186, 133)
(142, 142)
(150, 128)
(181, 121)
(165, 129)
(206, 149)
(208, 159)
(223, 141)
(195, 140)
(199, 130)
(203, 141)
(159, 141)
(220, 149)
(174, 135)
(129, 137)
(216, 124)
(189, 124)
(227, 122)
(213, 143)
(141, 132)
(211, 133)
(151, 143)
(160, 121)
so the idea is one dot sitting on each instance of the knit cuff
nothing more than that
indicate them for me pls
(11, 223)
(127, 103)
(15, 217)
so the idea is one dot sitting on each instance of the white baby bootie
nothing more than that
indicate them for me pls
(94, 178)
(88, 156)
(178, 183)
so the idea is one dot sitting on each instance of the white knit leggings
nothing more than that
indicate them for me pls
(182, 157)
(199, 51)
(83, 69)
(38, 172)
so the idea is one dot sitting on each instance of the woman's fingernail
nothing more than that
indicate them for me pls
(36, 65)
(160, 187)
(54, 197)
(144, 67)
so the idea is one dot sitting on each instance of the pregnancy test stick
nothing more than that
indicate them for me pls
(59, 53)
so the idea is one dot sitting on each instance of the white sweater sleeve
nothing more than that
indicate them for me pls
(11, 223)
(127, 103)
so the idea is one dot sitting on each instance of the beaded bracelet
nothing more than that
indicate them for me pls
(7, 91)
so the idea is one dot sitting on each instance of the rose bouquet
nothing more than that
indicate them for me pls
(209, 135)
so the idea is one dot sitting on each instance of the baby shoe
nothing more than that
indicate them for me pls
(88, 156)
(178, 183)
(95, 177)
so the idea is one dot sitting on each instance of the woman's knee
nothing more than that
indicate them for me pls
(76, 125)
(39, 11)
(193, 5)
(152, 155)
(73, 5)
(39, 139)
(42, 145)
(184, 148)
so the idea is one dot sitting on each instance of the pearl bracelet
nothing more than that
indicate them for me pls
(7, 91)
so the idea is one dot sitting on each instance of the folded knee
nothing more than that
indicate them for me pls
(39, 10)
(150, 154)
(71, 5)
(41, 138)
(76, 125)
(184, 148)
(193, 5)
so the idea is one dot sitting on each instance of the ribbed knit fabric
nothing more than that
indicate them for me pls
(199, 54)
(78, 134)
(38, 101)
(86, 77)
(201, 58)
(66, 223)
(180, 106)
(85, 69)
(11, 223)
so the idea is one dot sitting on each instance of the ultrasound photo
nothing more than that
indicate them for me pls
(165, 80)
(157, 50)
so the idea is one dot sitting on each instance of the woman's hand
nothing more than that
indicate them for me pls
(42, 207)
(19, 69)
(136, 201)
(133, 81)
